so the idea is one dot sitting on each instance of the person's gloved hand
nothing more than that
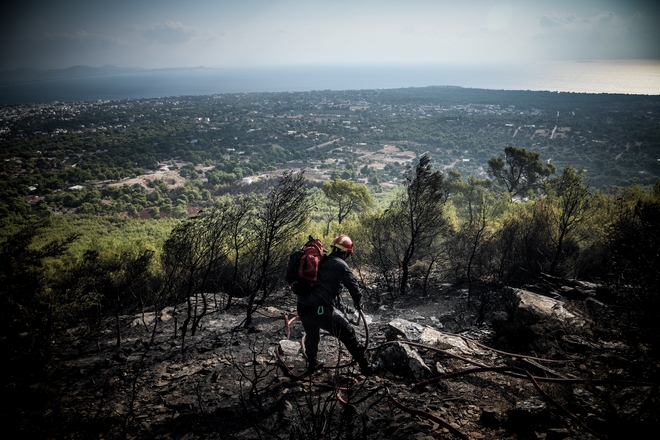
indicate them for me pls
(358, 306)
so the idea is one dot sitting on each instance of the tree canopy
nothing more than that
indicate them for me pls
(520, 171)
(349, 196)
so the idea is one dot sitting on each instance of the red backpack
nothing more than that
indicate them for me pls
(303, 269)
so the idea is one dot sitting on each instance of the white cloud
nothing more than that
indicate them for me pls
(568, 22)
(170, 32)
(549, 22)
(604, 35)
(77, 36)
(259, 32)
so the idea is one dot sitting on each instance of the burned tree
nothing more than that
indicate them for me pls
(420, 213)
(283, 214)
(195, 257)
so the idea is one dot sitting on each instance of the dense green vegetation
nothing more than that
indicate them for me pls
(476, 188)
(214, 141)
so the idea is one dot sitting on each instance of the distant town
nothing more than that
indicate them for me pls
(367, 136)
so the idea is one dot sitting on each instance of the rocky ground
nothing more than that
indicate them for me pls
(228, 383)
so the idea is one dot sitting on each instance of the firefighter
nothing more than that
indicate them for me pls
(317, 311)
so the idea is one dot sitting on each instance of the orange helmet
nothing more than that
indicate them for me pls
(343, 243)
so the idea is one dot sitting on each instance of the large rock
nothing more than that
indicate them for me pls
(536, 314)
(556, 287)
(534, 308)
(290, 348)
(403, 360)
(428, 336)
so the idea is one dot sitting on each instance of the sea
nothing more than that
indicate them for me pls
(637, 77)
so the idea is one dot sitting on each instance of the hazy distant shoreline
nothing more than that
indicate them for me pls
(22, 76)
(82, 83)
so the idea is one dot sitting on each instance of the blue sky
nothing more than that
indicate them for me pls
(227, 33)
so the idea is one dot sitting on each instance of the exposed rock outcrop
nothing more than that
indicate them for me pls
(400, 359)
(414, 332)
(533, 316)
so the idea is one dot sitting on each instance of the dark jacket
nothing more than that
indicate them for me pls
(333, 273)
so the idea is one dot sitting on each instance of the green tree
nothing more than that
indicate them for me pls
(520, 171)
(349, 197)
(572, 201)
(180, 211)
(478, 205)
(655, 192)
(13, 208)
(32, 315)
(122, 283)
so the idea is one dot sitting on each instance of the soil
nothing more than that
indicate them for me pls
(229, 384)
(171, 178)
(375, 159)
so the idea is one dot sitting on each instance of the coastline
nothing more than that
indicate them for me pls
(635, 77)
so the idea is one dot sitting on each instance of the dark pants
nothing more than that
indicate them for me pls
(316, 317)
